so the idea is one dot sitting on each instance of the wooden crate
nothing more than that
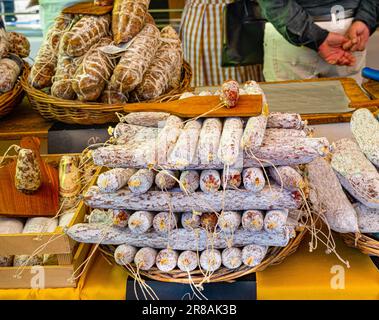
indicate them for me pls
(70, 254)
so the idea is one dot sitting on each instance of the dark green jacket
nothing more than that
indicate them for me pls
(293, 19)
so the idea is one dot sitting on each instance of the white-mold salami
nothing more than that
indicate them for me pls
(253, 179)
(231, 257)
(140, 221)
(253, 254)
(210, 260)
(166, 260)
(210, 181)
(252, 220)
(124, 254)
(141, 181)
(230, 142)
(115, 179)
(145, 258)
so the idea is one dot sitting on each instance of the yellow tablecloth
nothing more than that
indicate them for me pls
(102, 282)
(316, 275)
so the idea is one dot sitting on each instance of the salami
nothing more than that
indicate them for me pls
(115, 179)
(209, 141)
(146, 119)
(164, 222)
(164, 179)
(356, 174)
(9, 72)
(128, 134)
(167, 138)
(229, 221)
(231, 258)
(98, 216)
(190, 220)
(166, 260)
(189, 181)
(140, 222)
(285, 121)
(208, 221)
(229, 149)
(145, 258)
(210, 260)
(141, 181)
(43, 68)
(124, 254)
(210, 181)
(253, 254)
(112, 96)
(275, 134)
(288, 177)
(229, 93)
(252, 220)
(28, 174)
(4, 43)
(62, 80)
(187, 261)
(368, 218)
(275, 220)
(253, 179)
(18, 44)
(120, 217)
(135, 60)
(61, 24)
(69, 180)
(254, 132)
(232, 178)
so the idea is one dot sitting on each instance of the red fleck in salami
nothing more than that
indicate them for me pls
(140, 221)
(209, 141)
(114, 179)
(252, 220)
(141, 181)
(210, 181)
(145, 258)
(253, 179)
(187, 261)
(231, 258)
(124, 254)
(189, 181)
(230, 142)
(232, 178)
(120, 217)
(210, 260)
(166, 260)
(253, 254)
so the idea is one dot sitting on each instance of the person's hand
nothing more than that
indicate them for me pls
(332, 51)
(358, 34)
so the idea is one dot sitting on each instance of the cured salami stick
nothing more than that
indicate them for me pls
(254, 132)
(145, 258)
(114, 179)
(208, 221)
(164, 222)
(275, 220)
(183, 153)
(368, 219)
(141, 181)
(210, 181)
(127, 134)
(62, 80)
(233, 179)
(253, 179)
(164, 179)
(166, 260)
(356, 174)
(69, 181)
(187, 261)
(178, 239)
(61, 24)
(229, 221)
(140, 221)
(98, 216)
(135, 60)
(231, 258)
(167, 138)
(285, 121)
(43, 68)
(229, 149)
(365, 129)
(229, 93)
(124, 254)
(238, 200)
(275, 134)
(328, 197)
(146, 119)
(210, 260)
(28, 174)
(252, 220)
(120, 217)
(291, 179)
(189, 181)
(190, 220)
(209, 141)
(253, 254)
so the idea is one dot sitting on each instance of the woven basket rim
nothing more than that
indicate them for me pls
(275, 256)
(362, 242)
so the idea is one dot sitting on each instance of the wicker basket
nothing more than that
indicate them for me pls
(12, 98)
(274, 256)
(88, 113)
(363, 242)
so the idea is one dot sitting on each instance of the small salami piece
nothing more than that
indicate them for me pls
(285, 121)
(208, 221)
(18, 44)
(210, 181)
(188, 261)
(190, 220)
(254, 132)
(230, 143)
(164, 222)
(98, 216)
(124, 254)
(288, 176)
(164, 179)
(252, 220)
(209, 141)
(275, 220)
(167, 138)
(28, 174)
(166, 260)
(146, 119)
(233, 179)
(184, 151)
(231, 258)
(229, 221)
(114, 179)
(189, 181)
(9, 72)
(145, 258)
(253, 179)
(210, 260)
(141, 181)
(229, 93)
(140, 221)
(120, 217)
(253, 254)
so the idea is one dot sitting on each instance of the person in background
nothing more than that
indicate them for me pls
(201, 34)
(324, 38)
(9, 8)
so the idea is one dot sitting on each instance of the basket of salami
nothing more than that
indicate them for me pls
(13, 47)
(349, 198)
(201, 200)
(91, 65)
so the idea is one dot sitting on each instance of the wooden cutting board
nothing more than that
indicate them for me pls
(88, 8)
(248, 106)
(44, 202)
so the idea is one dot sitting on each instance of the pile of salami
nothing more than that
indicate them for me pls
(346, 189)
(114, 58)
(199, 193)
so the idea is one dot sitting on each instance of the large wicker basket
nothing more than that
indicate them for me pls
(89, 113)
(274, 256)
(12, 98)
(363, 242)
